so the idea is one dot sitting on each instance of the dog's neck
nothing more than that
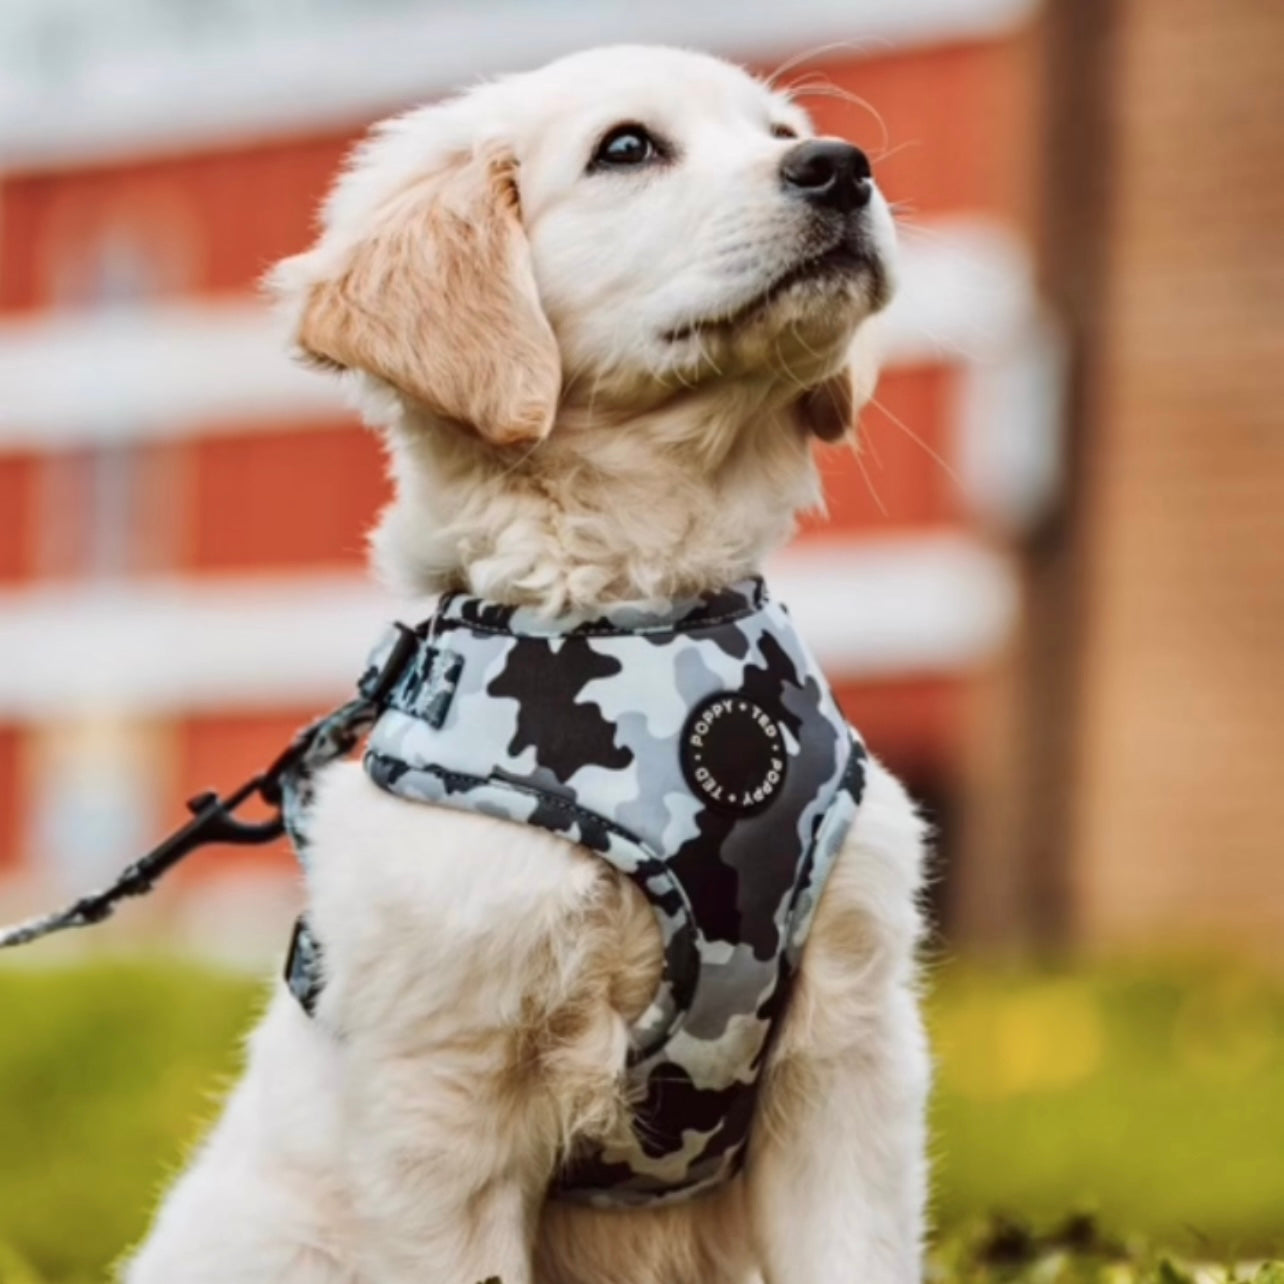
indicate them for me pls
(678, 501)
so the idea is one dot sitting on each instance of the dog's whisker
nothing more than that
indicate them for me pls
(827, 89)
(920, 231)
(931, 453)
(802, 342)
(704, 355)
(786, 368)
(908, 145)
(869, 482)
(808, 55)
(866, 441)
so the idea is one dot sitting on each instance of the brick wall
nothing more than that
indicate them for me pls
(1176, 828)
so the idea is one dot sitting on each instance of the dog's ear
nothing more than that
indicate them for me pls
(436, 295)
(828, 410)
(831, 409)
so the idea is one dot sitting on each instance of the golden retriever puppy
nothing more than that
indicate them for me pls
(649, 1017)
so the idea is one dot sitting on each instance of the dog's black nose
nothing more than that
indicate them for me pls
(829, 173)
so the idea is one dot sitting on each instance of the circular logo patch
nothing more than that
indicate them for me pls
(733, 754)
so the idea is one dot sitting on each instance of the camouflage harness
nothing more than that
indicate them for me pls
(701, 753)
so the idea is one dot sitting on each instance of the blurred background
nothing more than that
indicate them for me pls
(1050, 591)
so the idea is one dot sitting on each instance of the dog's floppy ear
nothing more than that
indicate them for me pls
(828, 410)
(831, 409)
(436, 295)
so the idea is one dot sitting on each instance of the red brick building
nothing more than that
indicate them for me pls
(182, 512)
(1130, 789)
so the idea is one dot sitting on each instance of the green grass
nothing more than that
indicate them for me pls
(104, 1072)
(1154, 1096)
(1075, 1251)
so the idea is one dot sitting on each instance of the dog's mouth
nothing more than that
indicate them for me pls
(840, 260)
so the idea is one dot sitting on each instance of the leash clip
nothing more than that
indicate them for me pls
(214, 818)
(213, 821)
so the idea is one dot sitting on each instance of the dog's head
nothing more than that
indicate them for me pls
(617, 225)
(622, 230)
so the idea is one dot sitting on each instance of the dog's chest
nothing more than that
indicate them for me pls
(701, 753)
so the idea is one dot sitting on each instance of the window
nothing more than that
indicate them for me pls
(110, 510)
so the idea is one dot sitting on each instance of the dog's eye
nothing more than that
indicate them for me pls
(783, 131)
(626, 146)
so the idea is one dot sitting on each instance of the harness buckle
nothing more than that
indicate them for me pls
(302, 972)
(377, 687)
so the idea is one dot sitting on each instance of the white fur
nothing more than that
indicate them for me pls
(482, 976)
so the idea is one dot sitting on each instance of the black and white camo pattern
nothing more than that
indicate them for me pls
(576, 726)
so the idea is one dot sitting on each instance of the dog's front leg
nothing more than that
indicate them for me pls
(468, 1002)
(837, 1185)
(444, 1176)
(837, 1170)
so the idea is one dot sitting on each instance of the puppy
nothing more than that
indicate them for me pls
(599, 313)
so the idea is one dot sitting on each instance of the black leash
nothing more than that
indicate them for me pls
(284, 786)
(213, 821)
